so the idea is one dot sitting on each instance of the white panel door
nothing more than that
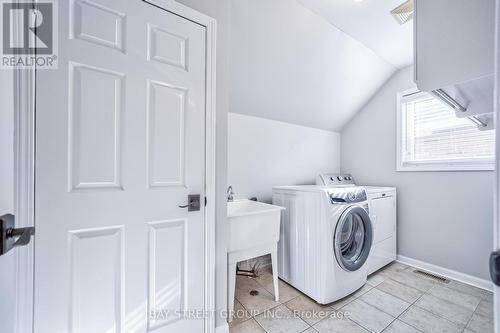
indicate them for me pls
(120, 141)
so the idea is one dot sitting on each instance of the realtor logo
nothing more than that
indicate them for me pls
(29, 34)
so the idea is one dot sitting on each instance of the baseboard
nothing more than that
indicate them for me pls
(224, 328)
(447, 273)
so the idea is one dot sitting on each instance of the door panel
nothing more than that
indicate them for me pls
(166, 133)
(120, 145)
(95, 111)
(96, 259)
(167, 283)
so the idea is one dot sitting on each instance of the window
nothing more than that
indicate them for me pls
(432, 138)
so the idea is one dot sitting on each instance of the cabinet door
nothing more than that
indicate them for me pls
(383, 215)
(454, 41)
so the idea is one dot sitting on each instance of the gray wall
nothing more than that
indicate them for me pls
(219, 9)
(263, 153)
(444, 218)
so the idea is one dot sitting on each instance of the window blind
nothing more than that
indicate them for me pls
(433, 133)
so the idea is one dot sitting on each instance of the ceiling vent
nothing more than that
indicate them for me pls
(404, 12)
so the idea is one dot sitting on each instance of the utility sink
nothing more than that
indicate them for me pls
(252, 223)
(253, 230)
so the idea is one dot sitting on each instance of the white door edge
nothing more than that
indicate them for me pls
(496, 223)
(24, 148)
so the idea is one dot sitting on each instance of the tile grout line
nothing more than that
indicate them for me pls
(397, 317)
(386, 278)
(332, 308)
(440, 316)
(470, 319)
(427, 293)
(435, 314)
(269, 309)
(412, 304)
(354, 299)
(281, 303)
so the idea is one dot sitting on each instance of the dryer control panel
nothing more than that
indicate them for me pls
(335, 179)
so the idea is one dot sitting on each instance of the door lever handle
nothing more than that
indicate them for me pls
(193, 203)
(11, 237)
(495, 267)
(23, 233)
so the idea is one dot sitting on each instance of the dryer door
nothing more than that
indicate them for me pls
(353, 238)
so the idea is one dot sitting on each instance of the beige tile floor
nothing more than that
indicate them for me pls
(395, 300)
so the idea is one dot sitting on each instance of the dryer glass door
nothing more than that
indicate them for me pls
(353, 238)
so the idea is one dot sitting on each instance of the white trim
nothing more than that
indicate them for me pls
(24, 186)
(25, 168)
(184, 11)
(224, 328)
(445, 165)
(496, 205)
(447, 273)
(399, 97)
(24, 190)
(210, 167)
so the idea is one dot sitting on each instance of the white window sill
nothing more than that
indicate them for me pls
(429, 167)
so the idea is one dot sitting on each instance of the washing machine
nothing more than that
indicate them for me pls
(382, 210)
(325, 238)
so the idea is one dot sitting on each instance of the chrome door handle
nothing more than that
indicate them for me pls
(193, 203)
(11, 237)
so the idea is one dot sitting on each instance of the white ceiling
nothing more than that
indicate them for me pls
(289, 64)
(370, 22)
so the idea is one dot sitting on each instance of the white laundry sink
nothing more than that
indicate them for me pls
(252, 223)
(253, 230)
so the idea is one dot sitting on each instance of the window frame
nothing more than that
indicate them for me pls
(444, 165)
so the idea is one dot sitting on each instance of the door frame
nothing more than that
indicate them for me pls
(24, 172)
(496, 205)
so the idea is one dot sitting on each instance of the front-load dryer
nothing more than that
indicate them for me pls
(325, 239)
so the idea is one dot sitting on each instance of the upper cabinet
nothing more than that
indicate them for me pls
(454, 42)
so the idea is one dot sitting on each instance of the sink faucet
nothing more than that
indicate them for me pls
(230, 193)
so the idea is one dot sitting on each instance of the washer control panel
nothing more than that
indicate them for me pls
(334, 179)
(346, 196)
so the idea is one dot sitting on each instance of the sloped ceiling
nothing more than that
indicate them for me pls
(370, 22)
(290, 64)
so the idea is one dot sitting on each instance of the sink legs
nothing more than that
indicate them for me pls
(234, 257)
(231, 282)
(274, 263)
